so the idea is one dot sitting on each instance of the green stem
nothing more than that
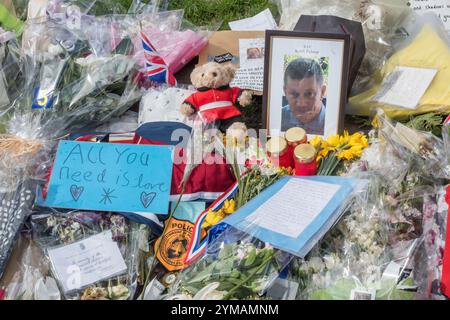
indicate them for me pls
(261, 267)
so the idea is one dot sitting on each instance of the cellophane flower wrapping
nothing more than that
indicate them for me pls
(234, 266)
(31, 280)
(426, 152)
(11, 72)
(381, 22)
(69, 86)
(388, 246)
(176, 40)
(54, 229)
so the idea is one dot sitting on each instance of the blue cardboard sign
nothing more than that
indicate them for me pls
(111, 177)
(294, 213)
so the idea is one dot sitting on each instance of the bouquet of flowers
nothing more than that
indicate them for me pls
(68, 87)
(235, 266)
(53, 229)
(337, 151)
(373, 252)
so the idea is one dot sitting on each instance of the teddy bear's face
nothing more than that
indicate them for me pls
(212, 75)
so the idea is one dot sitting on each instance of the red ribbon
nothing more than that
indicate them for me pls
(445, 281)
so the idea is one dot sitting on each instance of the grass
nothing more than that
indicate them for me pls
(215, 12)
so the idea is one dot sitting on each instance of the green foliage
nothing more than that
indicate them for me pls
(240, 278)
(431, 122)
(214, 12)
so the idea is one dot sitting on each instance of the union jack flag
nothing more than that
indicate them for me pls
(155, 68)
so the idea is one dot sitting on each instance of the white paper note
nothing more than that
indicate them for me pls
(440, 7)
(262, 21)
(249, 78)
(87, 261)
(251, 52)
(294, 206)
(405, 86)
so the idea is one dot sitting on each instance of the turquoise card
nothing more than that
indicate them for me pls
(110, 177)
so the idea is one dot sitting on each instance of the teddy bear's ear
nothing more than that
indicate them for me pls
(230, 70)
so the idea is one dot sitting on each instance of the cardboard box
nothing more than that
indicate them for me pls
(223, 42)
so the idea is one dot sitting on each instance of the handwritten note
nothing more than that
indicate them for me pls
(281, 212)
(405, 86)
(440, 7)
(262, 21)
(85, 262)
(111, 177)
(249, 78)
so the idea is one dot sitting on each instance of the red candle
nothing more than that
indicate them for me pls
(277, 151)
(294, 137)
(305, 160)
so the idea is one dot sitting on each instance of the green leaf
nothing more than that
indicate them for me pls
(250, 260)
(340, 290)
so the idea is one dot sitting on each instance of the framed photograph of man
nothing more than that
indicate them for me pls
(305, 82)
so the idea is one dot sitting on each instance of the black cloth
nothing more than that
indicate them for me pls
(333, 24)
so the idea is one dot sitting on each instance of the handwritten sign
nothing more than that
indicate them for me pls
(249, 78)
(440, 7)
(111, 177)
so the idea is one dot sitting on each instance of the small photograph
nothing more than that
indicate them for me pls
(255, 53)
(251, 53)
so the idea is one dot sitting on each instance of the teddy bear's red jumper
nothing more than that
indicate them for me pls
(215, 104)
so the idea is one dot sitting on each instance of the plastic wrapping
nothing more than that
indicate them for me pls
(370, 253)
(426, 48)
(175, 40)
(380, 20)
(31, 280)
(66, 90)
(388, 245)
(11, 72)
(423, 149)
(53, 230)
(235, 266)
(428, 258)
(233, 248)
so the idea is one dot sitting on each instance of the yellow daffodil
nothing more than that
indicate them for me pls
(345, 154)
(338, 147)
(333, 141)
(212, 218)
(229, 206)
(316, 142)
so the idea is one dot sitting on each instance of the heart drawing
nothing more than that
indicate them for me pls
(147, 198)
(76, 191)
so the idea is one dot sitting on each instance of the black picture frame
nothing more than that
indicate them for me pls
(311, 36)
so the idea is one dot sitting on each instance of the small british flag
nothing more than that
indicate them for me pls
(155, 68)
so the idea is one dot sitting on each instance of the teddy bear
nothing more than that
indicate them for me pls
(215, 101)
